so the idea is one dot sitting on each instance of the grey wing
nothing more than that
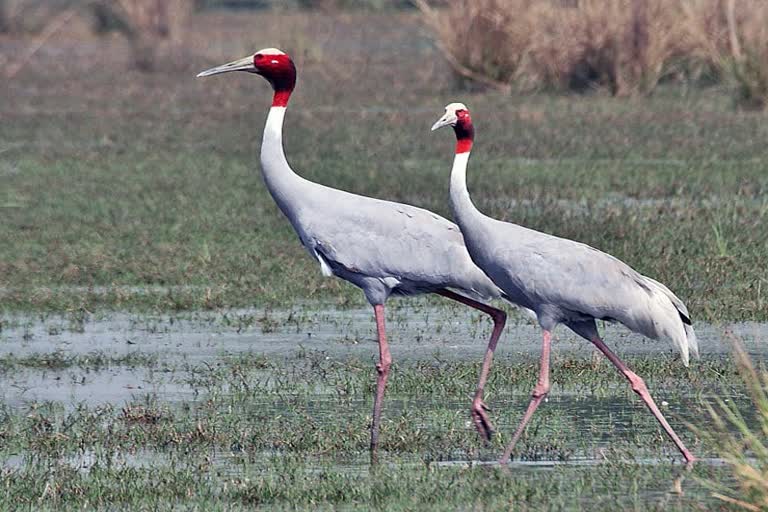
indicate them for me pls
(576, 279)
(553, 274)
(414, 249)
(581, 278)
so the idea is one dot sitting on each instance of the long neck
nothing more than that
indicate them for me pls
(464, 211)
(272, 144)
(284, 184)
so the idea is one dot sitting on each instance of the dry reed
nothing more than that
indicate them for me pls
(732, 38)
(488, 41)
(149, 25)
(626, 46)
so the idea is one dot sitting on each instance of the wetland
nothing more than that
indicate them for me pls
(165, 342)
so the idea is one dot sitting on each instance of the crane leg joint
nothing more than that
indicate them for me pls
(382, 368)
(499, 317)
(638, 384)
(541, 390)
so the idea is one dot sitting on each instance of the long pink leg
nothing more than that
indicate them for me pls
(479, 409)
(382, 369)
(639, 387)
(539, 393)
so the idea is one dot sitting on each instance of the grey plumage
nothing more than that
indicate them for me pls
(564, 281)
(574, 284)
(381, 246)
(384, 248)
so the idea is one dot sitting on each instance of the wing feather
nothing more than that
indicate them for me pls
(384, 240)
(576, 279)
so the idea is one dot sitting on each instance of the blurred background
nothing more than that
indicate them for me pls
(635, 126)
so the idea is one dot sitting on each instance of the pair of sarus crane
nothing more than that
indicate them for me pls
(388, 248)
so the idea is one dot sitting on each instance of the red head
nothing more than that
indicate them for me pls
(457, 116)
(274, 65)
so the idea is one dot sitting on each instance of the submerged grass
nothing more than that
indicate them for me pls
(291, 433)
(58, 360)
(280, 484)
(318, 405)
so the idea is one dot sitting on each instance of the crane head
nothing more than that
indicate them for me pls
(273, 64)
(457, 116)
(451, 117)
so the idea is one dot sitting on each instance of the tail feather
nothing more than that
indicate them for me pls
(693, 343)
(689, 344)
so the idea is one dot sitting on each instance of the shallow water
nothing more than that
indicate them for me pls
(231, 463)
(167, 358)
(416, 333)
(73, 386)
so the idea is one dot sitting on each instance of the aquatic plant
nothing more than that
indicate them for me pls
(740, 441)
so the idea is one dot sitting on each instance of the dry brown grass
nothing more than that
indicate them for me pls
(488, 41)
(731, 36)
(626, 46)
(150, 25)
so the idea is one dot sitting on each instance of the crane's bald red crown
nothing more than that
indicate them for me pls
(280, 71)
(465, 132)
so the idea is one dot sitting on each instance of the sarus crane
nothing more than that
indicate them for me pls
(383, 247)
(564, 282)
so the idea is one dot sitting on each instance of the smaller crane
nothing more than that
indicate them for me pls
(564, 282)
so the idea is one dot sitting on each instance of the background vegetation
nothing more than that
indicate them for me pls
(126, 184)
(625, 46)
(741, 442)
(123, 188)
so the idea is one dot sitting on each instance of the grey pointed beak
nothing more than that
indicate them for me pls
(443, 121)
(244, 64)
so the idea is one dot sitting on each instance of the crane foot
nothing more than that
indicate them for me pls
(481, 420)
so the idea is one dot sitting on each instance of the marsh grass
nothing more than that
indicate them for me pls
(291, 484)
(291, 433)
(739, 441)
(321, 405)
(59, 360)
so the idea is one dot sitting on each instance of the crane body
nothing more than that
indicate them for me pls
(564, 282)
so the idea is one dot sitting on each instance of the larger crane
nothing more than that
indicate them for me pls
(564, 282)
(385, 248)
